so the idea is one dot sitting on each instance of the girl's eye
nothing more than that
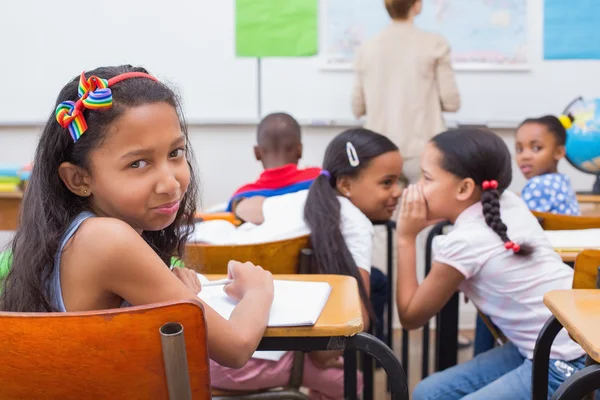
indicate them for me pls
(536, 148)
(138, 164)
(177, 152)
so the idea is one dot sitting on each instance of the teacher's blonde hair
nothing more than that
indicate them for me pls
(399, 9)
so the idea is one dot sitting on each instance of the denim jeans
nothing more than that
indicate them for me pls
(498, 374)
(380, 289)
(484, 340)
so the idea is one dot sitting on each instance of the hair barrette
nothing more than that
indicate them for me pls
(352, 155)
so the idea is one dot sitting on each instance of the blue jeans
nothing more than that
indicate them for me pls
(501, 373)
(380, 289)
(484, 340)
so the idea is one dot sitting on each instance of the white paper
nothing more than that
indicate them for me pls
(574, 239)
(295, 303)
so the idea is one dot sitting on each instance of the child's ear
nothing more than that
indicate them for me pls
(466, 187)
(559, 153)
(299, 149)
(344, 186)
(75, 178)
(257, 153)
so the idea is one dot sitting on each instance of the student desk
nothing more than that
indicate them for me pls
(10, 203)
(568, 256)
(578, 311)
(340, 327)
(589, 204)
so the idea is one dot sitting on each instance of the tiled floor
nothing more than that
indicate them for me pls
(414, 362)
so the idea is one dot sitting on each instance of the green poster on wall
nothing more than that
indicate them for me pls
(276, 28)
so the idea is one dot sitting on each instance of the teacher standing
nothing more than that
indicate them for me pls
(404, 81)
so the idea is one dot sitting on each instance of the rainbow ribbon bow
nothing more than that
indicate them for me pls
(94, 94)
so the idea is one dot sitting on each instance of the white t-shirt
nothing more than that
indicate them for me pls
(284, 219)
(506, 287)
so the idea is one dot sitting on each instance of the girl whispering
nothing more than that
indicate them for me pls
(497, 254)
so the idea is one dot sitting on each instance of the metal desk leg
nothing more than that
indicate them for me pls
(541, 359)
(374, 347)
(447, 335)
(350, 374)
(368, 367)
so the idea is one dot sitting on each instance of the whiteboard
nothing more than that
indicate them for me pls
(496, 98)
(190, 44)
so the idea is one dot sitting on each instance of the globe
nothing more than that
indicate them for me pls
(583, 137)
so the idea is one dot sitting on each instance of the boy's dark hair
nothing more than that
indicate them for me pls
(322, 209)
(277, 132)
(48, 206)
(399, 9)
(553, 125)
(482, 156)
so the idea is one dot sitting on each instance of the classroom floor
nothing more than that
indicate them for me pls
(414, 362)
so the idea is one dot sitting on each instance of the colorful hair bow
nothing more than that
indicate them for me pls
(487, 185)
(94, 94)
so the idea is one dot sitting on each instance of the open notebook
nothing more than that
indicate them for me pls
(574, 239)
(295, 303)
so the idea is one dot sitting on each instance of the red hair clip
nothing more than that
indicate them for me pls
(514, 246)
(487, 185)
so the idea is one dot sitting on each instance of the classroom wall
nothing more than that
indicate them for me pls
(225, 159)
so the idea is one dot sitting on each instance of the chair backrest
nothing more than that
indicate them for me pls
(586, 270)
(556, 222)
(108, 354)
(280, 257)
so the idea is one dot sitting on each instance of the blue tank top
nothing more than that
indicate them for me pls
(56, 291)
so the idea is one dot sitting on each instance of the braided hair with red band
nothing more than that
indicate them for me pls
(483, 157)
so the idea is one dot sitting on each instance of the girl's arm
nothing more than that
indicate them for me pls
(251, 209)
(122, 264)
(417, 304)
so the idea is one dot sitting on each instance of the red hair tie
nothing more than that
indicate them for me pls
(487, 185)
(514, 246)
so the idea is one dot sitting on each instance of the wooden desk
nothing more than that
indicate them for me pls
(10, 203)
(568, 256)
(339, 327)
(341, 316)
(589, 204)
(578, 310)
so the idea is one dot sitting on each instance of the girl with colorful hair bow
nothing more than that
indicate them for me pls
(111, 199)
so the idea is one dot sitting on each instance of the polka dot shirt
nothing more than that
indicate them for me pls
(551, 193)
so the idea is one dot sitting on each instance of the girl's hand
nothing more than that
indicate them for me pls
(247, 277)
(189, 278)
(412, 218)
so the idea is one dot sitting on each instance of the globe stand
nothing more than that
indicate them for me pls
(595, 188)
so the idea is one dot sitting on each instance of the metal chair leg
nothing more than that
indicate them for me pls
(374, 347)
(579, 384)
(541, 359)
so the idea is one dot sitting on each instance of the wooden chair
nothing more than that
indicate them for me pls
(127, 353)
(556, 222)
(584, 277)
(290, 256)
(280, 257)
